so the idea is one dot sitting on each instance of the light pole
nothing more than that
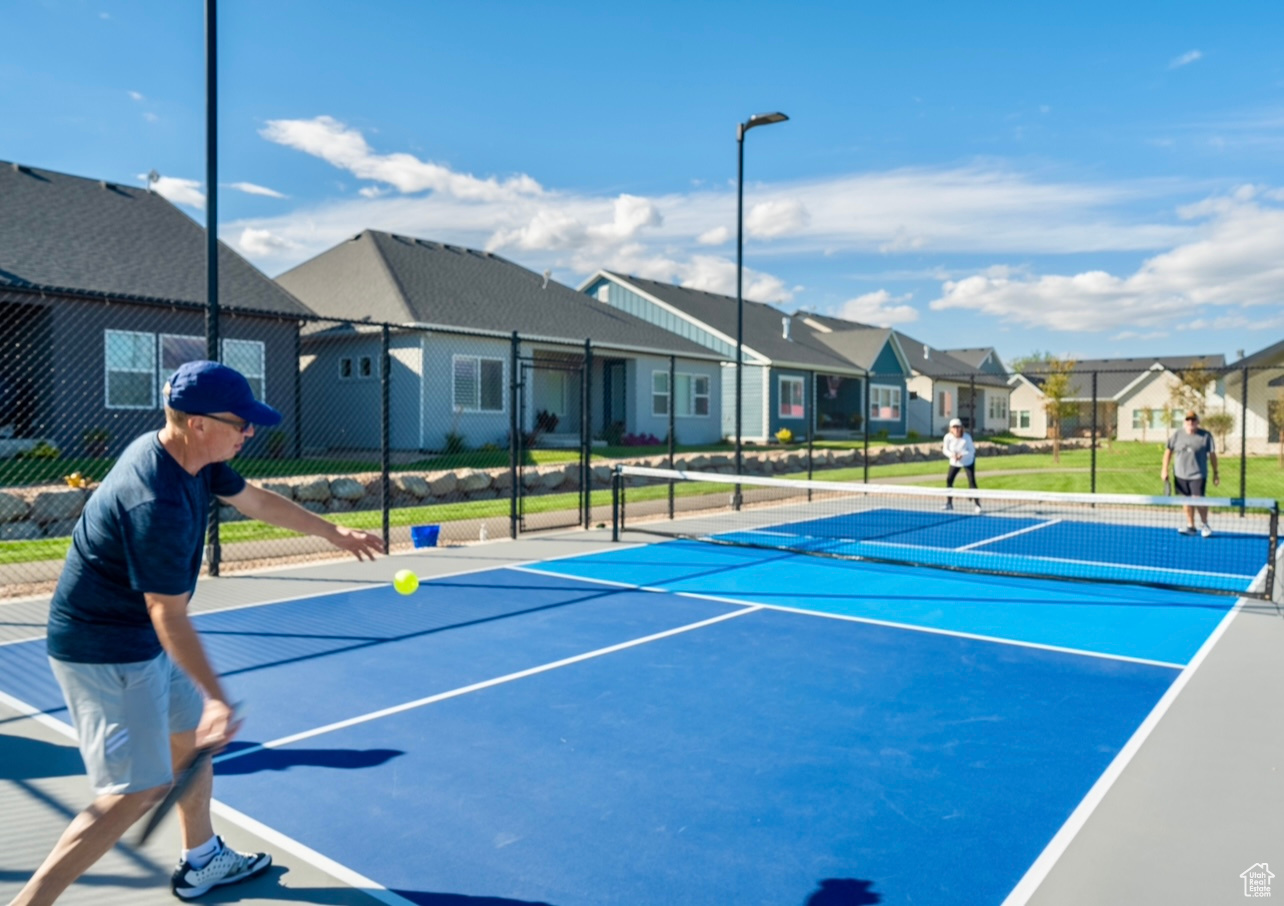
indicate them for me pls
(758, 119)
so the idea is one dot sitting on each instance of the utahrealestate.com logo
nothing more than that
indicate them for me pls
(1257, 880)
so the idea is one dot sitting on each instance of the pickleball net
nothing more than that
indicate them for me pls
(1111, 538)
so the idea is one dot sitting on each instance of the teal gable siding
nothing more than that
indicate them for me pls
(888, 372)
(640, 307)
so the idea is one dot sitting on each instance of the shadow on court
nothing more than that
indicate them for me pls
(34, 759)
(284, 759)
(423, 898)
(844, 892)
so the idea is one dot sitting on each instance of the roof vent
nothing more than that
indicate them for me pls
(19, 168)
(927, 351)
(784, 326)
(547, 274)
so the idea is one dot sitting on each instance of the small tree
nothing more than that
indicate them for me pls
(1220, 424)
(1192, 386)
(1147, 414)
(1276, 413)
(1056, 389)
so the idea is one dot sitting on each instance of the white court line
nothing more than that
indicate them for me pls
(891, 624)
(1028, 528)
(485, 684)
(1038, 872)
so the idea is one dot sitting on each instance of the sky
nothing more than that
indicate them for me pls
(1090, 180)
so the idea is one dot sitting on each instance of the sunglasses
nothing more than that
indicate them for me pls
(243, 427)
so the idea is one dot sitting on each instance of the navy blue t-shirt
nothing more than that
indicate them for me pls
(143, 530)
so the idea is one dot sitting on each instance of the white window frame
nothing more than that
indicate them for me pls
(108, 370)
(998, 407)
(661, 397)
(1021, 417)
(261, 375)
(686, 403)
(781, 381)
(876, 392)
(476, 407)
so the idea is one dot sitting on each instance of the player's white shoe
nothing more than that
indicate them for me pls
(1206, 531)
(227, 867)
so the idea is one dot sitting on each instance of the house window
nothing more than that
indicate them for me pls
(247, 357)
(1020, 418)
(365, 367)
(604, 293)
(791, 397)
(1273, 420)
(345, 368)
(998, 408)
(173, 350)
(130, 359)
(1157, 419)
(884, 403)
(478, 384)
(659, 393)
(943, 403)
(692, 395)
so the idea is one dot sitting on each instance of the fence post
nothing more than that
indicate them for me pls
(514, 389)
(586, 430)
(211, 235)
(865, 421)
(385, 434)
(1093, 446)
(615, 503)
(1243, 444)
(811, 419)
(298, 390)
(971, 403)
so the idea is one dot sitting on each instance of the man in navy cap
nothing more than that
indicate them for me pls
(139, 687)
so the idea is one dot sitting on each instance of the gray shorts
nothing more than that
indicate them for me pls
(124, 715)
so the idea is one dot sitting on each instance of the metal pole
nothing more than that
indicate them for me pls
(385, 433)
(740, 305)
(211, 233)
(1243, 445)
(616, 510)
(673, 425)
(586, 430)
(1093, 448)
(514, 389)
(865, 422)
(298, 390)
(811, 419)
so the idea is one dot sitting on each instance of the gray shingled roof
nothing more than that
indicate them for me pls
(972, 356)
(1114, 376)
(763, 325)
(384, 277)
(60, 232)
(940, 365)
(1267, 356)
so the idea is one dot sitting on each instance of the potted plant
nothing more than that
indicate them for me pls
(96, 441)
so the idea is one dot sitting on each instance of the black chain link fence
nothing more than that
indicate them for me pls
(394, 428)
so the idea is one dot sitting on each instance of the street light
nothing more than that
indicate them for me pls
(758, 119)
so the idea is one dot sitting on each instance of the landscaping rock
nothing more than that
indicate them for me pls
(473, 480)
(412, 484)
(349, 489)
(443, 484)
(13, 508)
(20, 531)
(279, 487)
(57, 506)
(315, 491)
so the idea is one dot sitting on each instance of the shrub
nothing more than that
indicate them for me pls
(785, 436)
(454, 443)
(96, 441)
(41, 450)
(640, 440)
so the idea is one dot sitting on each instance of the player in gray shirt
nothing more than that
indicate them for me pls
(1189, 452)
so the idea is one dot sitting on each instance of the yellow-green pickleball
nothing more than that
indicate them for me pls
(405, 582)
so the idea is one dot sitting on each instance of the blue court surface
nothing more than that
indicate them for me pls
(685, 723)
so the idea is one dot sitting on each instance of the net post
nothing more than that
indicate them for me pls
(617, 503)
(586, 436)
(1274, 537)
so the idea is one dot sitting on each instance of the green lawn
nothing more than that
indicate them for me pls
(1131, 468)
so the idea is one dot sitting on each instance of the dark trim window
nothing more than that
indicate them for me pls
(478, 383)
(130, 369)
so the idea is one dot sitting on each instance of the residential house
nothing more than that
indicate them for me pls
(453, 359)
(1260, 413)
(968, 384)
(102, 296)
(1133, 398)
(800, 371)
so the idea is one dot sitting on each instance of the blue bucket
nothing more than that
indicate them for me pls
(424, 535)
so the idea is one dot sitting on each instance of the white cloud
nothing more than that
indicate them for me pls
(151, 117)
(258, 243)
(250, 188)
(179, 191)
(346, 148)
(879, 308)
(373, 191)
(769, 219)
(1236, 262)
(632, 215)
(715, 236)
(136, 96)
(1185, 59)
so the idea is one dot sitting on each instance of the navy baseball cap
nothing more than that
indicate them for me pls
(200, 388)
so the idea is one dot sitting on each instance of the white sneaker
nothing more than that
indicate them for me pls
(1186, 530)
(978, 507)
(227, 867)
(1206, 531)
